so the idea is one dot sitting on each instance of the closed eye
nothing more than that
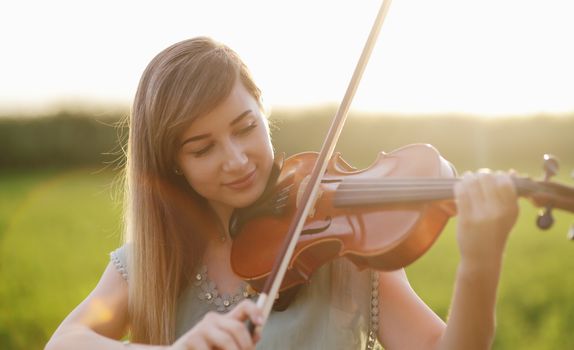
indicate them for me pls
(247, 129)
(202, 151)
(243, 131)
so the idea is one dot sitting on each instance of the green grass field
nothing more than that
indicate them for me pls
(57, 227)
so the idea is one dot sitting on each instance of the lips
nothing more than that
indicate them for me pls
(243, 182)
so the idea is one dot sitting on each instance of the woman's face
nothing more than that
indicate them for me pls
(226, 155)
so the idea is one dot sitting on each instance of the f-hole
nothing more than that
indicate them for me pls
(323, 227)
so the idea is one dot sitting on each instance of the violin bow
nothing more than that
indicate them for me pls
(273, 282)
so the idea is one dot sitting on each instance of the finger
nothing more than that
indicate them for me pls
(462, 198)
(507, 187)
(197, 344)
(472, 188)
(195, 339)
(257, 334)
(218, 337)
(247, 310)
(488, 188)
(238, 331)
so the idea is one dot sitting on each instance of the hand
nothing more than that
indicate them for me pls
(223, 331)
(487, 210)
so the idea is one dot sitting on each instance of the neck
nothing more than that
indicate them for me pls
(223, 214)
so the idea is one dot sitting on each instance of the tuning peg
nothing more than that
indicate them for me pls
(545, 219)
(551, 166)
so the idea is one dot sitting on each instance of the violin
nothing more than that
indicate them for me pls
(318, 208)
(382, 217)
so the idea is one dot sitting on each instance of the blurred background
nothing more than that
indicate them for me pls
(489, 84)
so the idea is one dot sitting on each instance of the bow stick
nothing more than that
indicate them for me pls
(273, 282)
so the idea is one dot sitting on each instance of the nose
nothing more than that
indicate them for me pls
(234, 157)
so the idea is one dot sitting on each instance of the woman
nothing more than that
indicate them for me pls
(199, 147)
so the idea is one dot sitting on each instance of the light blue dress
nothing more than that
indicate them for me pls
(337, 309)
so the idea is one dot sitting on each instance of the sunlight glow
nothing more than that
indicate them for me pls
(98, 313)
(447, 56)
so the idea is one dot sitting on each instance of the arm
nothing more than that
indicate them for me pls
(100, 320)
(487, 210)
(406, 322)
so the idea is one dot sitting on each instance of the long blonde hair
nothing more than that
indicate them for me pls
(165, 219)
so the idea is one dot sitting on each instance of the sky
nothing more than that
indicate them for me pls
(488, 57)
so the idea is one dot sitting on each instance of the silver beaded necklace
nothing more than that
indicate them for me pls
(208, 293)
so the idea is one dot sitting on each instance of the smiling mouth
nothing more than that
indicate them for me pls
(243, 182)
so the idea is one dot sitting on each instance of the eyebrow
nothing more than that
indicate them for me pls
(202, 136)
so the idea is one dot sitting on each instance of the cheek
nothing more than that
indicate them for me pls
(264, 141)
(200, 176)
(201, 183)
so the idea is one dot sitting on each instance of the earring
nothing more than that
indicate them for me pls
(177, 171)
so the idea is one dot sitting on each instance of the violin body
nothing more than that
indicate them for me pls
(345, 221)
(383, 225)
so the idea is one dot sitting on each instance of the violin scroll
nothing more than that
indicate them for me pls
(551, 195)
(545, 220)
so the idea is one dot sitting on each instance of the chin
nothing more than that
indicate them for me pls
(248, 199)
(242, 203)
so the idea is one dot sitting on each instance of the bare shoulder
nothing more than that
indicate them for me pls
(105, 309)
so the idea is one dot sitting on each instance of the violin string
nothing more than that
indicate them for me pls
(387, 187)
(413, 181)
(390, 193)
(391, 186)
(395, 190)
(370, 197)
(388, 190)
(407, 178)
(394, 195)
